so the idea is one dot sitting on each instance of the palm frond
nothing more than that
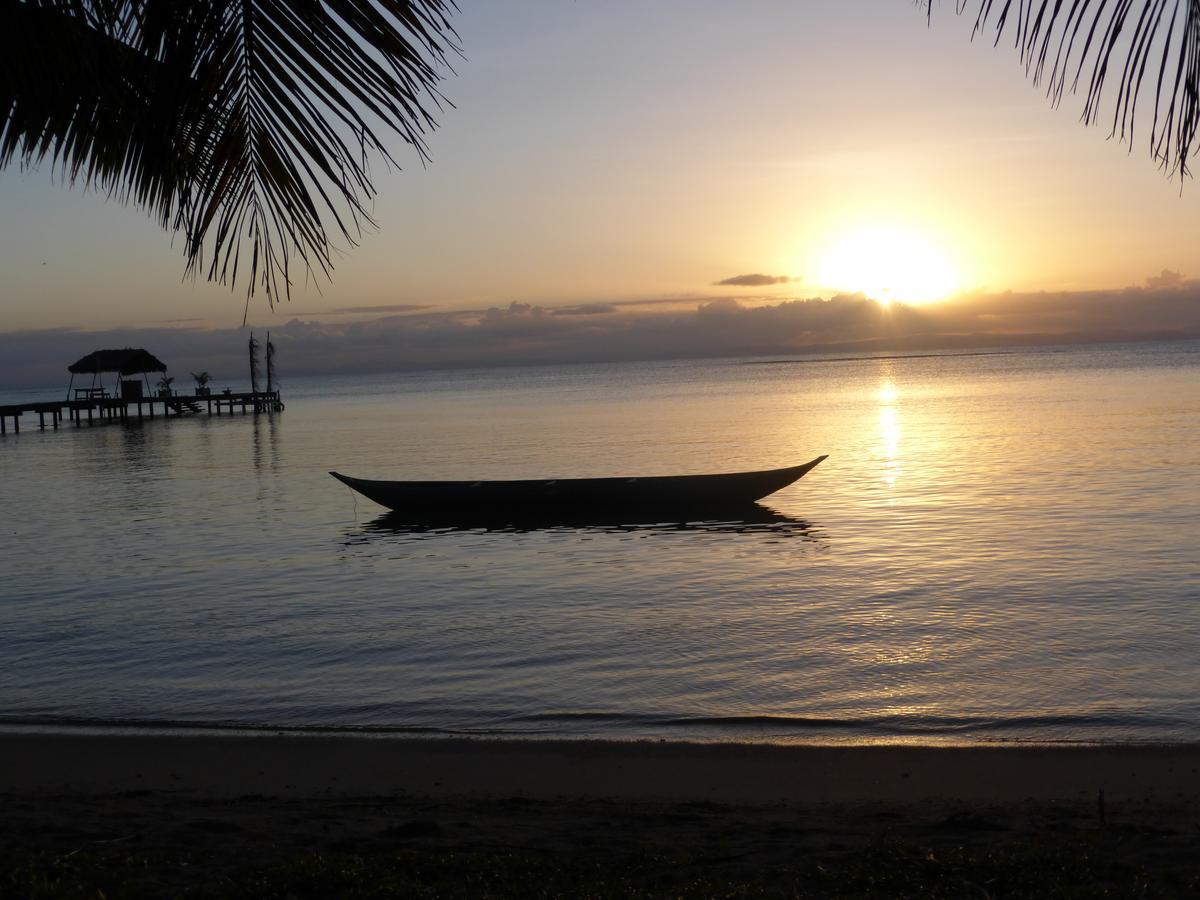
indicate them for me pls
(1149, 49)
(233, 122)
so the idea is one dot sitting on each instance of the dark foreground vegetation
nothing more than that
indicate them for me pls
(163, 845)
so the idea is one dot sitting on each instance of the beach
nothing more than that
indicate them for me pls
(309, 765)
(144, 810)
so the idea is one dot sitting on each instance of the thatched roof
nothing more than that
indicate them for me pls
(129, 361)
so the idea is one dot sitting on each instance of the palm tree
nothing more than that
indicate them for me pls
(1151, 48)
(230, 121)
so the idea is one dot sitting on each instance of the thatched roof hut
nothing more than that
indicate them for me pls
(129, 361)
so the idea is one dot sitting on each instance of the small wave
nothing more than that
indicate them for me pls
(166, 725)
(621, 726)
(878, 725)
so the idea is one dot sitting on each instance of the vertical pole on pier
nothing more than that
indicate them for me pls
(17, 423)
(3, 427)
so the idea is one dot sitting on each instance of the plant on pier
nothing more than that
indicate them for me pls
(164, 385)
(202, 380)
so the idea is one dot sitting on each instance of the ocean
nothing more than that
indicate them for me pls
(1001, 546)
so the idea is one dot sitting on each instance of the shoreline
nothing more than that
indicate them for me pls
(229, 764)
(35, 725)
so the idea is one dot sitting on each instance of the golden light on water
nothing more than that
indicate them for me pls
(889, 264)
(889, 430)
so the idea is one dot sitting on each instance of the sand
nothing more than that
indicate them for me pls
(292, 765)
(154, 814)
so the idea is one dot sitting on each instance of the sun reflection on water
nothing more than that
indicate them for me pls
(889, 429)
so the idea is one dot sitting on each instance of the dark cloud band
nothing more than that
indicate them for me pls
(523, 333)
(754, 280)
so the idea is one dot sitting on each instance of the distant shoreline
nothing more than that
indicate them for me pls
(832, 359)
(25, 385)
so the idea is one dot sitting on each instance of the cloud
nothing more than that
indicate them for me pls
(1165, 279)
(393, 308)
(525, 333)
(585, 309)
(754, 280)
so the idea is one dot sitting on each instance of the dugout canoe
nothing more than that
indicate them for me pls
(664, 492)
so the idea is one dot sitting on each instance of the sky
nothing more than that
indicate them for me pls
(626, 158)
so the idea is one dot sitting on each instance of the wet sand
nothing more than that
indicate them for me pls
(292, 765)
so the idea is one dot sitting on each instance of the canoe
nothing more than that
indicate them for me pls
(667, 493)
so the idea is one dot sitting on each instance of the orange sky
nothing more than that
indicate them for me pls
(626, 150)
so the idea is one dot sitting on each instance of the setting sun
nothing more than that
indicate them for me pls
(888, 264)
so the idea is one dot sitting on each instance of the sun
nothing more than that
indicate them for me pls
(889, 264)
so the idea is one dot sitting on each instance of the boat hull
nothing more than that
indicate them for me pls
(665, 493)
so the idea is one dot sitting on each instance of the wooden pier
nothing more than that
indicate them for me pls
(98, 408)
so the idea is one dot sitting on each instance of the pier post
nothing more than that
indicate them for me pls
(42, 419)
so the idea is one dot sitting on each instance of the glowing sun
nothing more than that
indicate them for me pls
(889, 264)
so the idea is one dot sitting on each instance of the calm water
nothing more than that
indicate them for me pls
(999, 547)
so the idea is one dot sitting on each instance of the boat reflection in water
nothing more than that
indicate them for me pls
(745, 518)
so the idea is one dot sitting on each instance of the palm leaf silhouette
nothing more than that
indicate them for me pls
(233, 122)
(1149, 51)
